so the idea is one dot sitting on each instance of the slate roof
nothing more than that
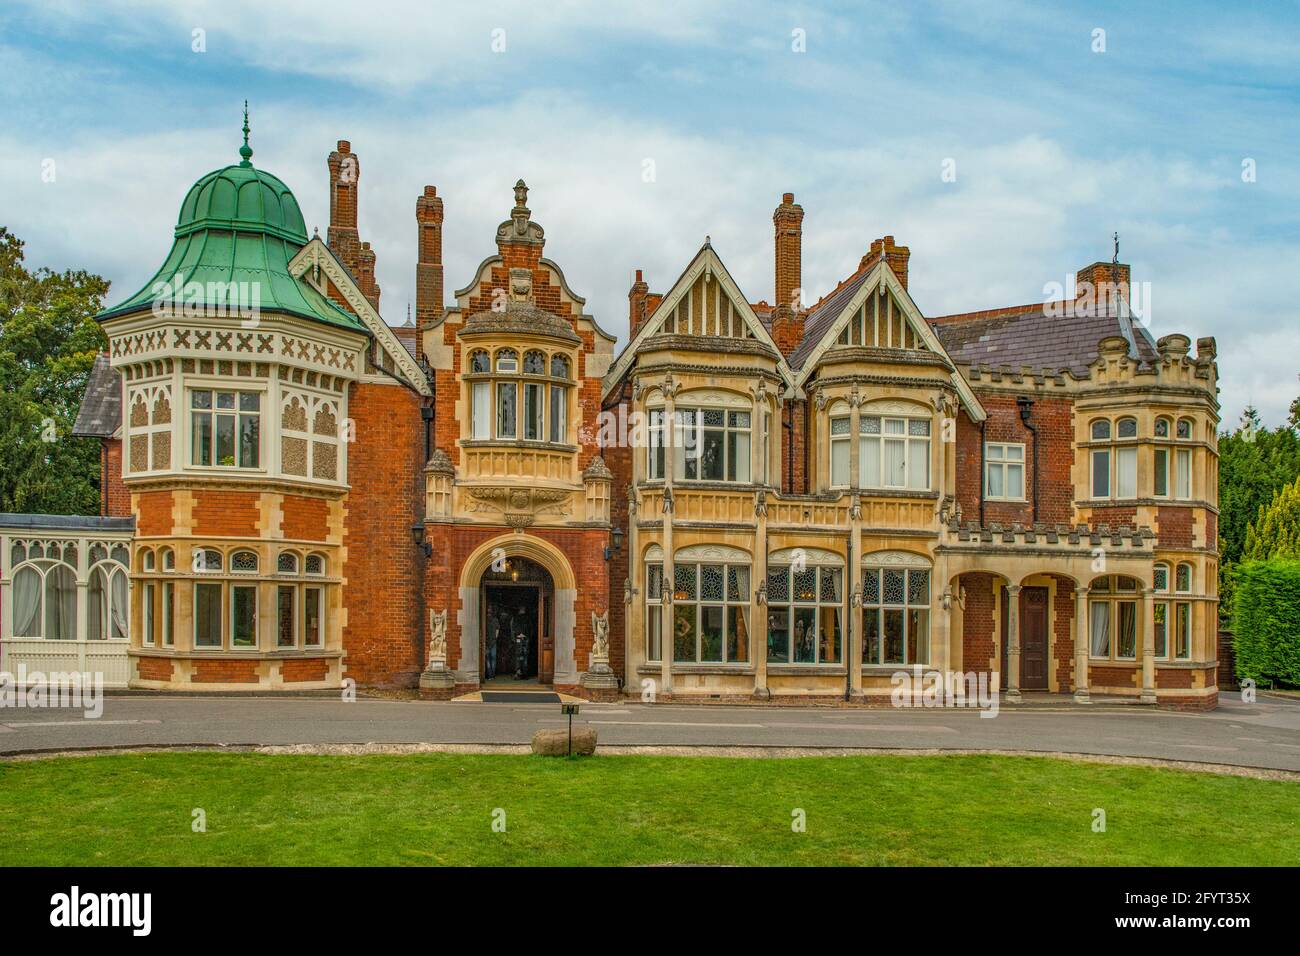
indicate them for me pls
(1030, 338)
(824, 313)
(100, 414)
(405, 334)
(67, 522)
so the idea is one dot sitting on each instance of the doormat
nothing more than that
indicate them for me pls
(519, 697)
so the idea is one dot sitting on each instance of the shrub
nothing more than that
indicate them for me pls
(1266, 618)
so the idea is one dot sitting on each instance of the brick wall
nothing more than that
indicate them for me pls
(153, 513)
(226, 513)
(1055, 423)
(304, 518)
(154, 668)
(382, 576)
(978, 646)
(114, 499)
(217, 671)
(1174, 527)
(307, 669)
(1063, 616)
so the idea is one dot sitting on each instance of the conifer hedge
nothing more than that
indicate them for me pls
(1266, 616)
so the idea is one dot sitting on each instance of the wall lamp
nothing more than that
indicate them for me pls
(616, 543)
(417, 532)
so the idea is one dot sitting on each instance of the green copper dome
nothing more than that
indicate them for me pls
(240, 197)
(237, 230)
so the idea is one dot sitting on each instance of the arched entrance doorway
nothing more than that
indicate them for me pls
(517, 634)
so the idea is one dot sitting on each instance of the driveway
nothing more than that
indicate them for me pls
(1263, 734)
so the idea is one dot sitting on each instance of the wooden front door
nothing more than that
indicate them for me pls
(1033, 638)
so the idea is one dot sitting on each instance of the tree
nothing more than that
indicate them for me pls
(1254, 462)
(1266, 642)
(48, 343)
(1276, 532)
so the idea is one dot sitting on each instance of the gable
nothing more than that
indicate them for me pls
(880, 314)
(317, 264)
(704, 303)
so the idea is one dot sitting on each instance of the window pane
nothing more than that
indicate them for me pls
(918, 470)
(1161, 577)
(533, 412)
(559, 417)
(684, 632)
(918, 636)
(869, 464)
(711, 623)
(684, 582)
(1101, 474)
(1162, 428)
(507, 361)
(249, 441)
(1099, 629)
(840, 463)
(894, 593)
(654, 618)
(1127, 629)
(805, 635)
(995, 489)
(1162, 629)
(1015, 481)
(918, 588)
(737, 634)
(895, 463)
(1184, 428)
(738, 584)
(828, 636)
(202, 446)
(313, 613)
(778, 635)
(711, 460)
(738, 456)
(1162, 472)
(207, 615)
(169, 612)
(478, 362)
(481, 414)
(1100, 430)
(226, 400)
(534, 363)
(225, 452)
(243, 617)
(805, 585)
(1184, 625)
(506, 410)
(778, 584)
(1126, 478)
(1127, 428)
(1015, 452)
(871, 636)
(871, 586)
(1184, 489)
(839, 426)
(893, 637)
(832, 591)
(710, 582)
(286, 632)
(200, 399)
(250, 402)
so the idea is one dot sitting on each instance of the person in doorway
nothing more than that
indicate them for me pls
(490, 665)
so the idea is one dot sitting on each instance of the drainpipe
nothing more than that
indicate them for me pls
(426, 412)
(787, 422)
(1026, 404)
(807, 424)
(983, 477)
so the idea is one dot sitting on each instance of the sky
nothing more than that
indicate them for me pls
(1003, 143)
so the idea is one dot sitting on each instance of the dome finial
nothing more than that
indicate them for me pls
(245, 151)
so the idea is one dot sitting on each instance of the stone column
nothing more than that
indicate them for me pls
(1081, 646)
(853, 573)
(1013, 642)
(670, 571)
(1148, 695)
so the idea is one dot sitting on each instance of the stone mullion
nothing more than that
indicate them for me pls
(670, 571)
(1148, 695)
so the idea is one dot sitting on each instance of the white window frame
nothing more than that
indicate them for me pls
(1003, 463)
(212, 412)
(726, 603)
(817, 604)
(906, 608)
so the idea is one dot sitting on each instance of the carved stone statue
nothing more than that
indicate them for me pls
(600, 637)
(437, 639)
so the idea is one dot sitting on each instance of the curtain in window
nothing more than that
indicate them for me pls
(119, 606)
(27, 603)
(481, 417)
(97, 606)
(60, 604)
(1100, 645)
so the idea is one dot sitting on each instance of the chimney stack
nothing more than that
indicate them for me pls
(895, 256)
(1101, 285)
(787, 316)
(636, 305)
(428, 265)
(343, 237)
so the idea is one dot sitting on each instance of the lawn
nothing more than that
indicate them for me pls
(136, 809)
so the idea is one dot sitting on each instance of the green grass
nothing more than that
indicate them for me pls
(135, 809)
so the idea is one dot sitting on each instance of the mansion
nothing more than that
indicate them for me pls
(784, 501)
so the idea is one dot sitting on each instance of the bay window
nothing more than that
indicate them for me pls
(225, 428)
(710, 613)
(893, 452)
(805, 606)
(713, 444)
(530, 405)
(1112, 619)
(895, 616)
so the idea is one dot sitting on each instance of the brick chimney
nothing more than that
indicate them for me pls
(1101, 285)
(343, 237)
(896, 256)
(636, 305)
(428, 265)
(787, 316)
